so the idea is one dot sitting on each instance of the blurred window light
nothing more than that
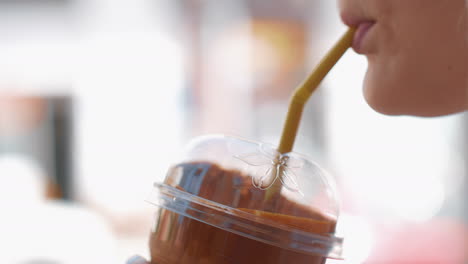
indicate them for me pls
(55, 232)
(131, 114)
(37, 63)
(418, 199)
(23, 181)
(359, 239)
(405, 185)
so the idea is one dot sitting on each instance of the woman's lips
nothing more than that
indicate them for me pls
(362, 25)
(359, 37)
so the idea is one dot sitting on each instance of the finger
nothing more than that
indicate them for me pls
(137, 260)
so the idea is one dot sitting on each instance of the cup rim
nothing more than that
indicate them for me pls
(244, 223)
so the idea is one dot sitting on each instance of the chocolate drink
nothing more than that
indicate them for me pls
(177, 239)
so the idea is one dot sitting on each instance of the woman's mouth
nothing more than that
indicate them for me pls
(362, 29)
(362, 25)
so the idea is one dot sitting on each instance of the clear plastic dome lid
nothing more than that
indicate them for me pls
(251, 189)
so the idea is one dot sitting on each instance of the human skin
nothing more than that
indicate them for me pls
(417, 54)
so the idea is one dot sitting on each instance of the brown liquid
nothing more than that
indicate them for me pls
(177, 239)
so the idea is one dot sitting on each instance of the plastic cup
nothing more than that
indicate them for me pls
(212, 208)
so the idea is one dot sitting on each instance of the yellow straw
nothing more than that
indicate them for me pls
(302, 94)
(305, 90)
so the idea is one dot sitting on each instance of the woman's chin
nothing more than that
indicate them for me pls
(388, 105)
(414, 95)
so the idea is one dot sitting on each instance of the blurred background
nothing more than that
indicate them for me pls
(97, 97)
